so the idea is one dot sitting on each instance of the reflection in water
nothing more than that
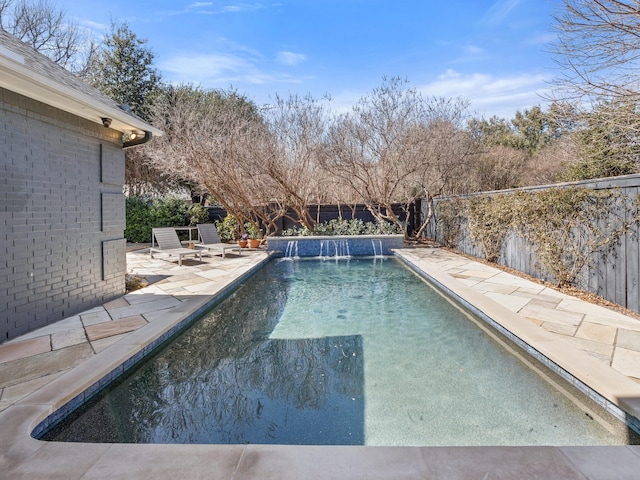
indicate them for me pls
(225, 381)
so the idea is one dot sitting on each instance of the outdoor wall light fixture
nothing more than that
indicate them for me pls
(135, 138)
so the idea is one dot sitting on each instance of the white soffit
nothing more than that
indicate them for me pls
(14, 76)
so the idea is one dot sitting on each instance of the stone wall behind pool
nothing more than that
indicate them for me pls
(332, 246)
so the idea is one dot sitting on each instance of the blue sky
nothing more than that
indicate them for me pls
(494, 53)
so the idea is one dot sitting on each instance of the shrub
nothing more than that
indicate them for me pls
(228, 228)
(450, 219)
(489, 219)
(565, 226)
(589, 168)
(345, 227)
(253, 231)
(568, 226)
(133, 282)
(138, 220)
(144, 214)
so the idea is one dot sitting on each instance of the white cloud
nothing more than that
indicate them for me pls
(219, 70)
(491, 94)
(206, 67)
(233, 8)
(474, 50)
(94, 26)
(208, 8)
(290, 58)
(542, 39)
(498, 12)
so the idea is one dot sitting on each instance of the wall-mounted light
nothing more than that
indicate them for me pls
(135, 138)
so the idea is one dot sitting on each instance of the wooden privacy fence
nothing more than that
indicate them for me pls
(325, 213)
(612, 273)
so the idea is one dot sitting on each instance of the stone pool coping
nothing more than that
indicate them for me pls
(21, 456)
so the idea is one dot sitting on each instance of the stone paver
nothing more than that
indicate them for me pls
(159, 302)
(602, 351)
(117, 303)
(560, 328)
(116, 327)
(67, 339)
(104, 343)
(95, 317)
(43, 364)
(514, 303)
(24, 348)
(536, 302)
(10, 395)
(617, 321)
(627, 362)
(551, 315)
(605, 334)
(71, 323)
(499, 288)
(629, 339)
(41, 368)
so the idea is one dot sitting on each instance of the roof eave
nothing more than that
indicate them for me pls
(17, 78)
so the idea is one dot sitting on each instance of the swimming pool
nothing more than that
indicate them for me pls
(349, 352)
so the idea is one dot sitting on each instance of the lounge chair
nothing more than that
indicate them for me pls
(211, 241)
(169, 243)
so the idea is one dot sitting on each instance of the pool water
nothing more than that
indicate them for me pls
(350, 352)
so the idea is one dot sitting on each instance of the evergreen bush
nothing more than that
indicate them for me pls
(228, 229)
(144, 214)
(344, 227)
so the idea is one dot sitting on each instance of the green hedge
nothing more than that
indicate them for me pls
(143, 214)
(345, 227)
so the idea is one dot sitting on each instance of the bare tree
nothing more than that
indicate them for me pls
(598, 48)
(47, 29)
(212, 139)
(371, 146)
(396, 146)
(499, 167)
(297, 128)
(143, 179)
(447, 155)
(546, 166)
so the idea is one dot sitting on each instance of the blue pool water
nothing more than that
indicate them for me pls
(357, 352)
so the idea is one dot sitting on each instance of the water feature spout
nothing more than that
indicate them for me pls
(334, 249)
(375, 251)
(292, 249)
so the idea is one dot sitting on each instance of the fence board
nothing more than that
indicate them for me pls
(632, 248)
(614, 275)
(620, 261)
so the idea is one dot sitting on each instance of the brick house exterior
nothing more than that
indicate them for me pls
(62, 210)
